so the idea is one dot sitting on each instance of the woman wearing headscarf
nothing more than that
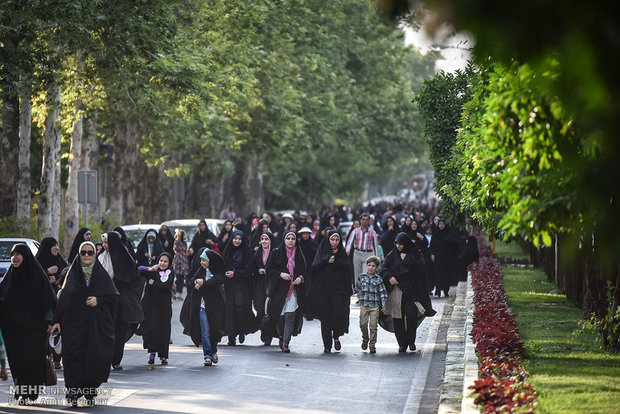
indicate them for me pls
(51, 261)
(443, 254)
(261, 227)
(166, 238)
(82, 236)
(128, 244)
(203, 238)
(224, 237)
(286, 290)
(388, 234)
(180, 262)
(149, 249)
(204, 310)
(157, 308)
(121, 267)
(316, 226)
(27, 301)
(404, 276)
(329, 290)
(258, 273)
(238, 287)
(85, 315)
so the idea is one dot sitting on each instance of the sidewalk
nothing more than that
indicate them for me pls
(461, 368)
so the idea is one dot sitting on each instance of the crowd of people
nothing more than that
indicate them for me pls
(266, 274)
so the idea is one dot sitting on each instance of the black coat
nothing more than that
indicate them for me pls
(277, 288)
(330, 286)
(77, 241)
(26, 296)
(239, 315)
(87, 332)
(410, 274)
(157, 308)
(212, 291)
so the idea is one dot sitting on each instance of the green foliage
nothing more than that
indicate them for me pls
(608, 325)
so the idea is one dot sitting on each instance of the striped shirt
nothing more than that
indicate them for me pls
(363, 240)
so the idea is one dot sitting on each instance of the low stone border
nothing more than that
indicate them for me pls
(461, 369)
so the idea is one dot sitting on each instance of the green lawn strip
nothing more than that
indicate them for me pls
(512, 250)
(567, 366)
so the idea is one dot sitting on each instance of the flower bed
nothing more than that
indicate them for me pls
(501, 387)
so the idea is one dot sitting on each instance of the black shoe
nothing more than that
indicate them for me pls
(117, 367)
(232, 341)
(337, 345)
(267, 342)
(241, 339)
(285, 349)
(164, 361)
(327, 350)
(402, 349)
(412, 347)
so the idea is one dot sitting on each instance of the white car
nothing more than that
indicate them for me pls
(191, 227)
(6, 245)
(135, 232)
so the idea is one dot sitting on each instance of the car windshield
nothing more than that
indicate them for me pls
(5, 250)
(134, 236)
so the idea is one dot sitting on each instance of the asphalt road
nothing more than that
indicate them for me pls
(252, 378)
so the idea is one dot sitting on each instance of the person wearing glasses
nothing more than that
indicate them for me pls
(404, 276)
(85, 318)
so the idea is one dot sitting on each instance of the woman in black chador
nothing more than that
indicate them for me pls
(259, 284)
(126, 241)
(329, 290)
(238, 287)
(85, 316)
(119, 264)
(51, 260)
(203, 238)
(404, 276)
(286, 291)
(166, 238)
(26, 304)
(82, 236)
(203, 315)
(157, 308)
(149, 249)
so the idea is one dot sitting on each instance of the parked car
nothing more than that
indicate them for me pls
(191, 226)
(6, 245)
(135, 232)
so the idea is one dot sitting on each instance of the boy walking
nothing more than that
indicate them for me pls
(372, 295)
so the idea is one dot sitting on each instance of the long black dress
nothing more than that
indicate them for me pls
(47, 259)
(157, 308)
(411, 277)
(329, 290)
(143, 248)
(239, 315)
(259, 289)
(277, 288)
(87, 332)
(130, 286)
(212, 291)
(26, 302)
(444, 247)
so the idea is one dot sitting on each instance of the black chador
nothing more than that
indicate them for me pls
(87, 331)
(157, 307)
(258, 273)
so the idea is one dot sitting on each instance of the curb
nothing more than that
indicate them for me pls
(461, 367)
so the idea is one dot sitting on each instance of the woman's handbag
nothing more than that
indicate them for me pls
(50, 369)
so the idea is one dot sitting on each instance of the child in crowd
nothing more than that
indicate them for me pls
(372, 295)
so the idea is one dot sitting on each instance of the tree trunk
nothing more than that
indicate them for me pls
(240, 189)
(48, 171)
(72, 208)
(9, 154)
(24, 192)
(256, 186)
(123, 171)
(89, 158)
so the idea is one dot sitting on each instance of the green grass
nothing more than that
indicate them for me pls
(567, 366)
(512, 250)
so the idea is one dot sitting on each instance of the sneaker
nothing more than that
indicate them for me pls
(208, 361)
(337, 345)
(164, 361)
(285, 349)
(214, 358)
(117, 367)
(151, 359)
(373, 350)
(364, 345)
